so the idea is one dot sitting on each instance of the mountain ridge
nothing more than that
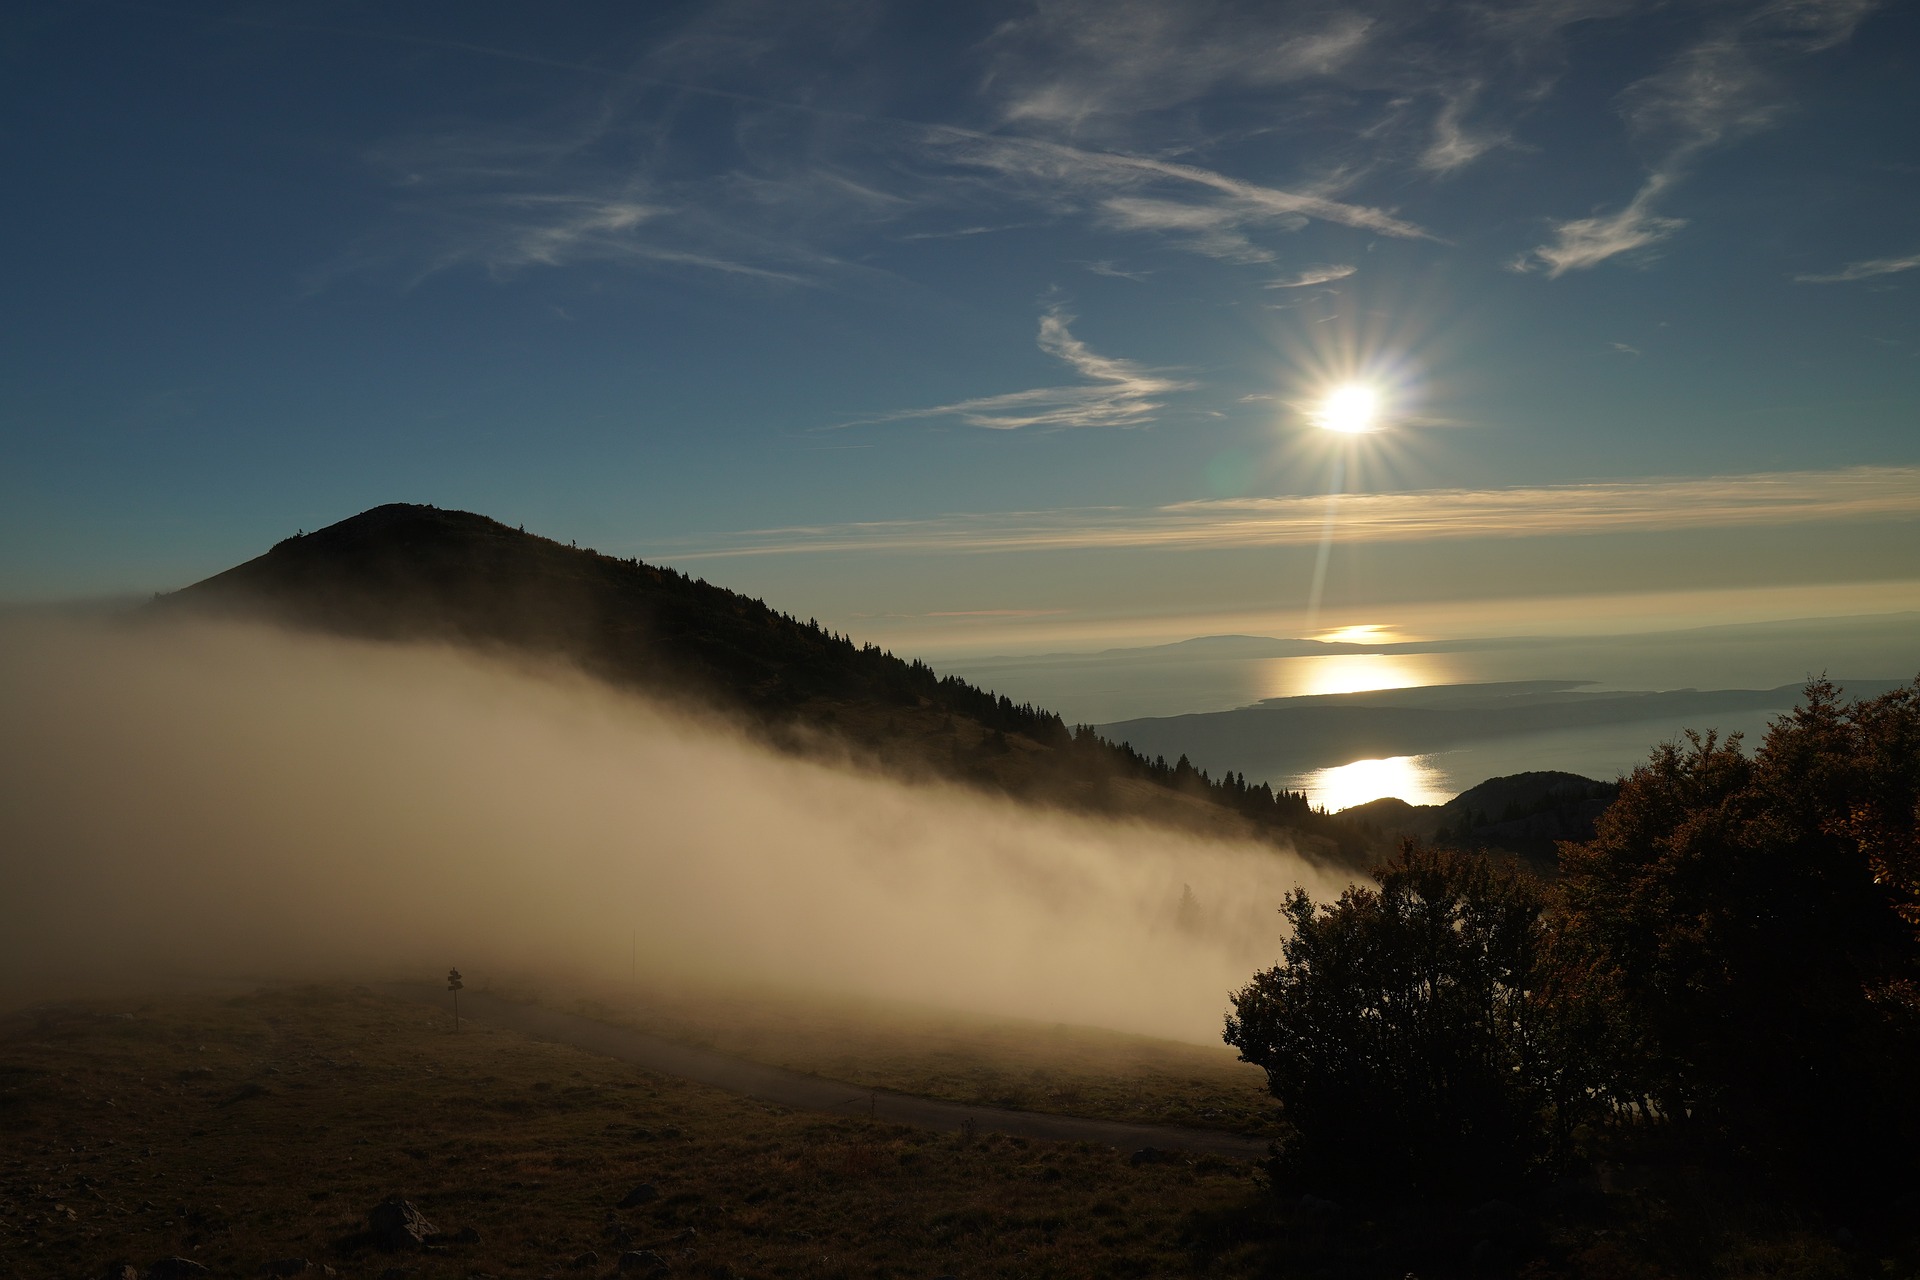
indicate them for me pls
(403, 572)
(1525, 814)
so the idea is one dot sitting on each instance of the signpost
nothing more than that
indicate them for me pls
(454, 984)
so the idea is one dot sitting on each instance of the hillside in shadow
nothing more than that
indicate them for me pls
(415, 573)
(1525, 814)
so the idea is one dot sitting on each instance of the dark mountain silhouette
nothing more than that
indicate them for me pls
(404, 572)
(1526, 814)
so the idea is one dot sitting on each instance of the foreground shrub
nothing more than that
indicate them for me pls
(1415, 1035)
(1733, 962)
(1759, 917)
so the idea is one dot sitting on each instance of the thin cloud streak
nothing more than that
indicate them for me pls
(1864, 270)
(1315, 275)
(1082, 66)
(1268, 202)
(1107, 268)
(1082, 176)
(1454, 145)
(1656, 505)
(570, 228)
(1118, 393)
(507, 205)
(1580, 243)
(1722, 88)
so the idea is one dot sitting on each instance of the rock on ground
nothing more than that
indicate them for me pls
(395, 1224)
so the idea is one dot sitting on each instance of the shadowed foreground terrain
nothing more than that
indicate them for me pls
(241, 1131)
(806, 1091)
(967, 1058)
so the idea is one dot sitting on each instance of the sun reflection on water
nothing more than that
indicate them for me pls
(1411, 778)
(1361, 633)
(1351, 673)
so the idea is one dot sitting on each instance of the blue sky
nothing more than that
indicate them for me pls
(988, 326)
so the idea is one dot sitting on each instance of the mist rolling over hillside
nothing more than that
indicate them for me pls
(191, 800)
(415, 572)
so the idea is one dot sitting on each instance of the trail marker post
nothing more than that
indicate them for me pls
(454, 984)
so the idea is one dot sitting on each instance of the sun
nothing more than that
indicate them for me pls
(1352, 408)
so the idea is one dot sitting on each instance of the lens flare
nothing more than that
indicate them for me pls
(1351, 409)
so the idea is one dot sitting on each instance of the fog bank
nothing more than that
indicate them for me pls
(211, 800)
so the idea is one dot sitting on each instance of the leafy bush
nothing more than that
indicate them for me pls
(1733, 959)
(1414, 1034)
(1759, 917)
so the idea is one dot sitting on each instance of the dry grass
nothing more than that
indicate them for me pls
(236, 1131)
(1000, 1062)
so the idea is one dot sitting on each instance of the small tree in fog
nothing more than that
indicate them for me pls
(454, 984)
(1187, 915)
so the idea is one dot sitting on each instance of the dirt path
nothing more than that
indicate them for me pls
(815, 1093)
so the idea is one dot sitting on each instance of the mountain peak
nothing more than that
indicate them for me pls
(409, 572)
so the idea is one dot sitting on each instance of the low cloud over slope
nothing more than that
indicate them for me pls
(222, 799)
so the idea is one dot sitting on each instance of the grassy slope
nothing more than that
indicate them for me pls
(239, 1130)
(236, 1131)
(935, 1053)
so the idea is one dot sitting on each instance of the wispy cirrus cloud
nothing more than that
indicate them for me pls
(609, 178)
(1212, 230)
(1209, 211)
(1429, 88)
(1092, 66)
(1864, 270)
(586, 191)
(1132, 117)
(1456, 142)
(1116, 393)
(1653, 505)
(1445, 90)
(1308, 276)
(1725, 86)
(1112, 270)
(554, 230)
(1580, 243)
